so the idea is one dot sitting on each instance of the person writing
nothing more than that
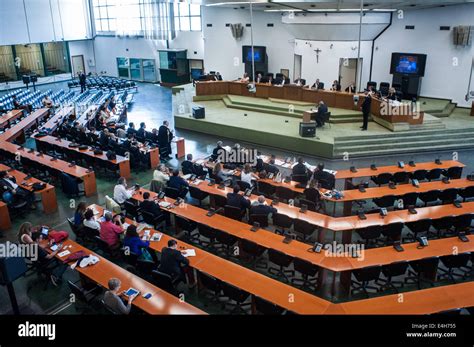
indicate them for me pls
(175, 264)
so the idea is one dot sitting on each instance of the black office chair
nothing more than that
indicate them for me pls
(363, 278)
(209, 234)
(153, 219)
(77, 230)
(454, 172)
(255, 252)
(310, 205)
(84, 297)
(266, 189)
(285, 194)
(384, 88)
(396, 269)
(467, 193)
(453, 262)
(434, 174)
(372, 84)
(393, 232)
(197, 194)
(188, 227)
(283, 261)
(267, 308)
(400, 177)
(448, 196)
(132, 210)
(419, 175)
(243, 185)
(303, 228)
(281, 222)
(309, 273)
(300, 178)
(211, 285)
(431, 196)
(370, 234)
(172, 193)
(237, 296)
(104, 248)
(227, 241)
(233, 212)
(164, 281)
(409, 199)
(424, 270)
(462, 223)
(443, 226)
(218, 200)
(262, 219)
(419, 228)
(383, 178)
(386, 201)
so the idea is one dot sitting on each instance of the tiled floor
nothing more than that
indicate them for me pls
(153, 105)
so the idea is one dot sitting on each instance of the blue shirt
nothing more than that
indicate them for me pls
(177, 182)
(135, 244)
(78, 218)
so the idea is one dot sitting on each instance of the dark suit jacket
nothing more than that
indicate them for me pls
(351, 89)
(270, 168)
(262, 209)
(177, 182)
(300, 169)
(6, 186)
(171, 261)
(164, 135)
(141, 132)
(237, 200)
(150, 206)
(187, 167)
(322, 109)
(366, 104)
(326, 176)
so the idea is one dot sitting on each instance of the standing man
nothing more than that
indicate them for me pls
(366, 109)
(165, 135)
(82, 81)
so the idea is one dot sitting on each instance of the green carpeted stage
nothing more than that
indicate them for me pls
(275, 123)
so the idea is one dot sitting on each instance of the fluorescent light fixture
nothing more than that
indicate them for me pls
(322, 10)
(384, 10)
(351, 9)
(283, 10)
(232, 3)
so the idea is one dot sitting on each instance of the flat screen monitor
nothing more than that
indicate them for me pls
(259, 54)
(408, 64)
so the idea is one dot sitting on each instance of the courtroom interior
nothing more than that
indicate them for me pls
(210, 157)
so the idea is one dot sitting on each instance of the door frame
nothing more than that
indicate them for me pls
(74, 73)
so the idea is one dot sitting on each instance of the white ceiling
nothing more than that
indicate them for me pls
(320, 5)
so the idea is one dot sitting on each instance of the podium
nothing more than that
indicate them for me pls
(309, 115)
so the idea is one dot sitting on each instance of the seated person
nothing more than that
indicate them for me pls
(131, 129)
(10, 191)
(190, 167)
(322, 110)
(259, 78)
(392, 94)
(218, 76)
(47, 261)
(300, 170)
(270, 166)
(18, 106)
(247, 176)
(149, 205)
(142, 132)
(104, 138)
(112, 298)
(110, 229)
(215, 152)
(235, 199)
(316, 84)
(326, 179)
(121, 193)
(161, 174)
(351, 88)
(92, 137)
(89, 220)
(261, 207)
(299, 82)
(79, 214)
(218, 174)
(121, 133)
(175, 264)
(134, 243)
(47, 102)
(336, 86)
(245, 78)
(178, 183)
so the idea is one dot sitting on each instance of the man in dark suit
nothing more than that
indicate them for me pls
(366, 110)
(142, 131)
(131, 129)
(300, 170)
(174, 263)
(270, 166)
(178, 183)
(190, 167)
(217, 150)
(261, 207)
(336, 86)
(152, 207)
(235, 199)
(82, 81)
(165, 135)
(351, 88)
(322, 110)
(326, 179)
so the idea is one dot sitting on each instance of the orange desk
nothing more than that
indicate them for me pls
(88, 178)
(9, 117)
(5, 222)
(48, 194)
(160, 303)
(54, 121)
(180, 148)
(253, 282)
(122, 162)
(19, 129)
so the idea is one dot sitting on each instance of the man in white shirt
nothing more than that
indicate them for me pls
(121, 193)
(47, 102)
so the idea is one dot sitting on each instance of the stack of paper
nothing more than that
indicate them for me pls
(189, 253)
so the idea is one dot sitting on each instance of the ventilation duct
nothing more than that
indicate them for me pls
(462, 35)
(237, 30)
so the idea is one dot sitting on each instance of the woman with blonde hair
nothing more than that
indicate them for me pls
(247, 175)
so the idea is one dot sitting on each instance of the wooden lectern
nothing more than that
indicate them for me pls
(308, 115)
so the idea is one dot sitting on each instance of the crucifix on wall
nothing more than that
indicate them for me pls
(317, 50)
